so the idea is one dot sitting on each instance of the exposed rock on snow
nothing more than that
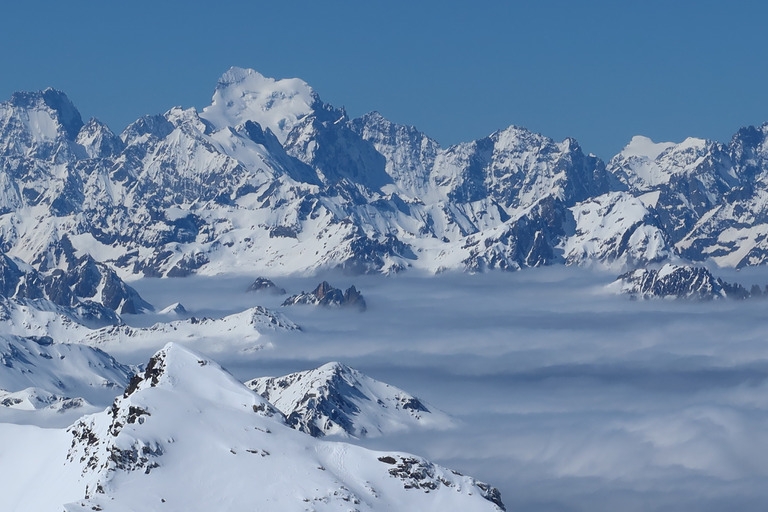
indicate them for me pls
(264, 284)
(88, 286)
(271, 179)
(338, 400)
(186, 416)
(327, 295)
(676, 281)
(35, 398)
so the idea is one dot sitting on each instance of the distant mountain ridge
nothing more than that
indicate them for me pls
(270, 179)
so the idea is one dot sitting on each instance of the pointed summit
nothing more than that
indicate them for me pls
(246, 95)
(56, 103)
(186, 421)
(335, 399)
(38, 124)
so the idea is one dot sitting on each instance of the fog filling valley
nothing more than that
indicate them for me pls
(567, 397)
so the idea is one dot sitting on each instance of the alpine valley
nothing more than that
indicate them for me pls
(135, 267)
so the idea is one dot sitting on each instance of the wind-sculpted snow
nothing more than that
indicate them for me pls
(338, 400)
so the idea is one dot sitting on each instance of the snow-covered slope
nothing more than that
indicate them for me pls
(338, 400)
(186, 435)
(30, 399)
(246, 95)
(65, 370)
(240, 331)
(270, 179)
(616, 228)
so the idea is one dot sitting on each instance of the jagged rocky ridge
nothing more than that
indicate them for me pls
(131, 455)
(327, 295)
(270, 178)
(91, 291)
(679, 282)
(338, 400)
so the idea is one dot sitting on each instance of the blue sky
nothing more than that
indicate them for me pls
(599, 71)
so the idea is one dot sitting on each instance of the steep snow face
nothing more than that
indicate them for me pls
(410, 155)
(61, 369)
(645, 165)
(618, 230)
(338, 400)
(637, 162)
(691, 179)
(186, 416)
(38, 124)
(518, 168)
(676, 281)
(98, 140)
(246, 95)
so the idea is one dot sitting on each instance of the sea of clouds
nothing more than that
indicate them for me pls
(568, 397)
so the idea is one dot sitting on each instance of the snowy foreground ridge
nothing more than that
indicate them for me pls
(186, 435)
(270, 179)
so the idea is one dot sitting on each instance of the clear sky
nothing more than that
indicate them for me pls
(599, 71)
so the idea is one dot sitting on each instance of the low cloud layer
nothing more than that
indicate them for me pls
(569, 398)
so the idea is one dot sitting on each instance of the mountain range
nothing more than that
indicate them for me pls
(272, 180)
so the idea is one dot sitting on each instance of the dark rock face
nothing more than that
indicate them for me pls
(327, 295)
(264, 284)
(416, 473)
(680, 282)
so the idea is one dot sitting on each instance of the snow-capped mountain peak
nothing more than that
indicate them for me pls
(645, 148)
(246, 95)
(186, 416)
(335, 399)
(37, 123)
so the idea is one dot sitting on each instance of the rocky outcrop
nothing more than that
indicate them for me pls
(184, 409)
(92, 288)
(266, 285)
(677, 282)
(338, 400)
(327, 295)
